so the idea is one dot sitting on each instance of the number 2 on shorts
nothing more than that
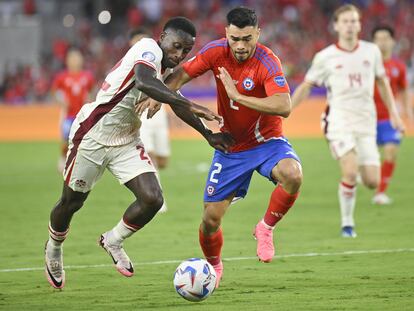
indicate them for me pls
(215, 172)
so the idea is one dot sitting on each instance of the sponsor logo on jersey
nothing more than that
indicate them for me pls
(248, 84)
(367, 63)
(280, 81)
(148, 56)
(210, 190)
(339, 66)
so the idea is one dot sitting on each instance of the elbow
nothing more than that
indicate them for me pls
(285, 108)
(140, 85)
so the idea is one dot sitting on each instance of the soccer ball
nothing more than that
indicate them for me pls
(195, 279)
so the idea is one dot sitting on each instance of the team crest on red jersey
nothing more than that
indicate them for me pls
(248, 84)
(280, 81)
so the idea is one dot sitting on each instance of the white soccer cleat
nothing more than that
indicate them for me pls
(121, 260)
(163, 208)
(381, 199)
(54, 267)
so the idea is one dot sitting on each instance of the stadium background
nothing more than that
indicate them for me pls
(314, 269)
(35, 35)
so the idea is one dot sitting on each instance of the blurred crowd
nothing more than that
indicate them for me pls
(294, 29)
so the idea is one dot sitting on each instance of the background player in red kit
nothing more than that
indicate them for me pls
(388, 137)
(71, 89)
(253, 95)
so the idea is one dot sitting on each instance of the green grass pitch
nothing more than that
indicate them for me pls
(372, 272)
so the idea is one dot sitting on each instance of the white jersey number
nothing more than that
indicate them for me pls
(215, 172)
(233, 106)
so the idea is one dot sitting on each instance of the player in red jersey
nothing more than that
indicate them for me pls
(253, 96)
(387, 137)
(71, 89)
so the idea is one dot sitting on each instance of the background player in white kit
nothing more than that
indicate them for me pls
(105, 135)
(154, 131)
(349, 69)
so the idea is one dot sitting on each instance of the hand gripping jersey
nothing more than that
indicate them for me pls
(111, 120)
(349, 77)
(397, 74)
(260, 76)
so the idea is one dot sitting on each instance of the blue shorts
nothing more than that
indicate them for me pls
(232, 172)
(386, 134)
(65, 128)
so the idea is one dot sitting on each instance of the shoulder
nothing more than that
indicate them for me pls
(366, 45)
(147, 45)
(268, 59)
(325, 52)
(216, 46)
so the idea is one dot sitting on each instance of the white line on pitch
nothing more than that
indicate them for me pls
(165, 262)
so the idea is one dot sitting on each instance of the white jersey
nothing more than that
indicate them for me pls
(349, 77)
(111, 120)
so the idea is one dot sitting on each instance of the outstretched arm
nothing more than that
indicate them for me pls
(147, 82)
(301, 93)
(385, 91)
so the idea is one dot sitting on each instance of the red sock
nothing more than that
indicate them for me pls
(211, 245)
(279, 204)
(387, 169)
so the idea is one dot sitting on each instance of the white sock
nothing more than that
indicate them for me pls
(347, 197)
(55, 242)
(120, 232)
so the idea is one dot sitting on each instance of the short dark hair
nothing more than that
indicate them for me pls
(181, 23)
(242, 17)
(139, 31)
(387, 28)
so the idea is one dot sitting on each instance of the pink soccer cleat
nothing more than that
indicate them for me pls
(219, 272)
(265, 247)
(121, 260)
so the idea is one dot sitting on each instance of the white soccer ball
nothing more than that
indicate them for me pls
(195, 279)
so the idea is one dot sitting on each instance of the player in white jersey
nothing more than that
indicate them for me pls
(154, 131)
(348, 69)
(105, 135)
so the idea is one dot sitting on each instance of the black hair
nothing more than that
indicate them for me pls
(181, 23)
(387, 28)
(242, 17)
(139, 31)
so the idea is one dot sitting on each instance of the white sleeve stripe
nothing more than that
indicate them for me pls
(145, 63)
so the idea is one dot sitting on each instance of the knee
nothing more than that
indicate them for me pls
(371, 183)
(70, 204)
(211, 222)
(152, 198)
(291, 177)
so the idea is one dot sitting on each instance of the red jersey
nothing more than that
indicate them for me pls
(75, 87)
(396, 73)
(259, 76)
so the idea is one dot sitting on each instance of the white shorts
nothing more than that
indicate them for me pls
(89, 161)
(154, 134)
(364, 145)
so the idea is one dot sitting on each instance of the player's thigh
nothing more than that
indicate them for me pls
(370, 175)
(129, 161)
(367, 150)
(146, 188)
(85, 165)
(229, 174)
(390, 152)
(348, 164)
